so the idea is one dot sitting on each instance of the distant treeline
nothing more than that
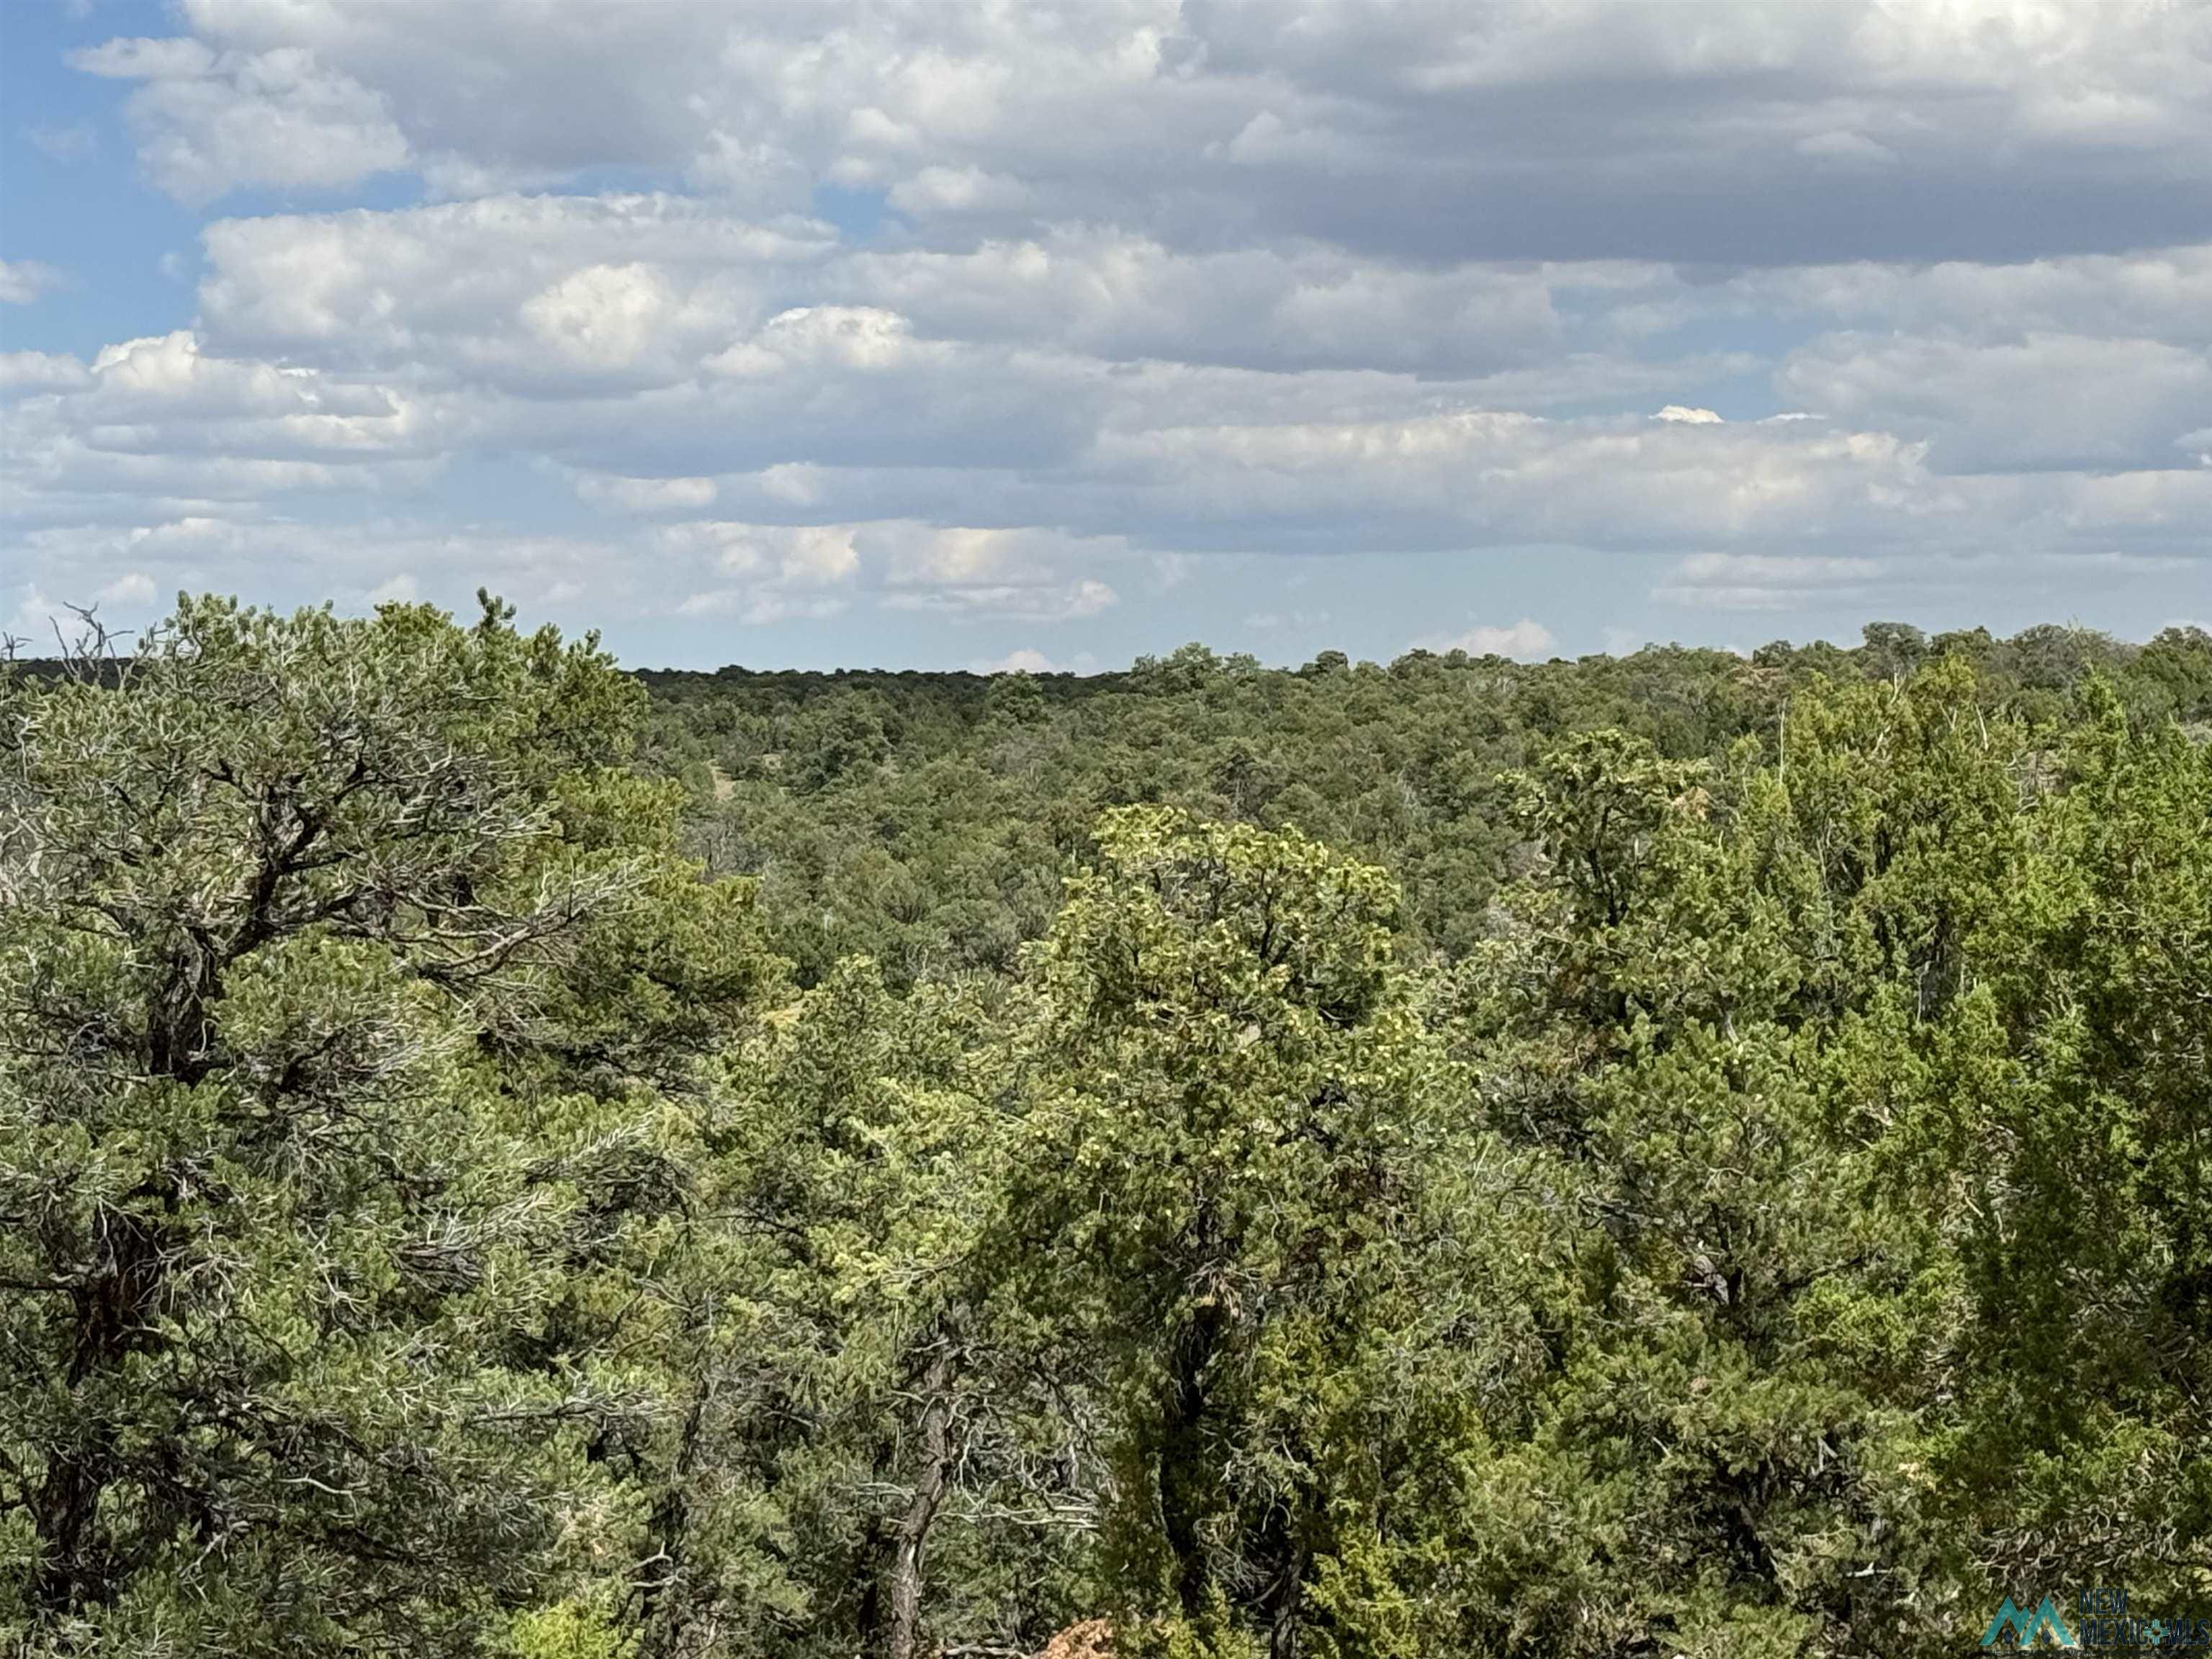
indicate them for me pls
(925, 819)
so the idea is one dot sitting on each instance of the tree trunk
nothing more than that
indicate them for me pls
(1283, 1624)
(1186, 1473)
(666, 1602)
(71, 1572)
(1284, 1596)
(929, 1482)
(64, 1579)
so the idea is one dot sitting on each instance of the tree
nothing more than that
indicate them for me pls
(2087, 1099)
(862, 1459)
(1653, 1003)
(1233, 1176)
(306, 931)
(1738, 1187)
(1899, 1300)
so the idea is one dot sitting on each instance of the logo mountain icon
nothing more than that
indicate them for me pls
(2026, 1627)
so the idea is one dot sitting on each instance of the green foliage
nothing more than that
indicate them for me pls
(924, 819)
(314, 934)
(1241, 1180)
(1678, 1155)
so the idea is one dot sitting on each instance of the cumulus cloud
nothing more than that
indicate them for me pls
(603, 317)
(1507, 479)
(1472, 131)
(762, 573)
(967, 315)
(163, 398)
(1025, 660)
(958, 189)
(156, 423)
(40, 371)
(533, 295)
(817, 338)
(769, 572)
(209, 122)
(2039, 401)
(286, 560)
(1121, 295)
(1526, 641)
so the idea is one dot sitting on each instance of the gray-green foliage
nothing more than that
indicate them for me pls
(309, 929)
(1748, 1200)
(1895, 1304)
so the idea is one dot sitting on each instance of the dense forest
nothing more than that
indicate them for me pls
(1681, 1154)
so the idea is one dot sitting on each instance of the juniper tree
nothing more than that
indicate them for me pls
(1312, 1301)
(319, 956)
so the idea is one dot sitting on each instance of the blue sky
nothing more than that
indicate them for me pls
(958, 336)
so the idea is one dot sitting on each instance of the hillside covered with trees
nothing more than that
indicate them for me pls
(1679, 1154)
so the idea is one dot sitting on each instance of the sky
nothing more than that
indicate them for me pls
(1044, 337)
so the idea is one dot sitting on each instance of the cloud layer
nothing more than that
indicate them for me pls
(980, 325)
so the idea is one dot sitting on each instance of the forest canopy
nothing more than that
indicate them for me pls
(1675, 1154)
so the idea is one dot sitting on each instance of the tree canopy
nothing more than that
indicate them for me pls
(1675, 1154)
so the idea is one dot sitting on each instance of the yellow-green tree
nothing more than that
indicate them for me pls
(1311, 1297)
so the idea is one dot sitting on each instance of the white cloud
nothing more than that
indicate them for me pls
(1154, 282)
(1027, 602)
(142, 59)
(287, 561)
(134, 589)
(862, 338)
(161, 420)
(40, 371)
(766, 571)
(1526, 641)
(23, 281)
(210, 122)
(756, 608)
(1762, 581)
(603, 317)
(1121, 295)
(70, 144)
(2067, 402)
(34, 619)
(1439, 130)
(815, 555)
(165, 394)
(646, 494)
(1509, 479)
(1025, 660)
(533, 295)
(792, 482)
(1038, 574)
(2161, 293)
(958, 189)
(762, 572)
